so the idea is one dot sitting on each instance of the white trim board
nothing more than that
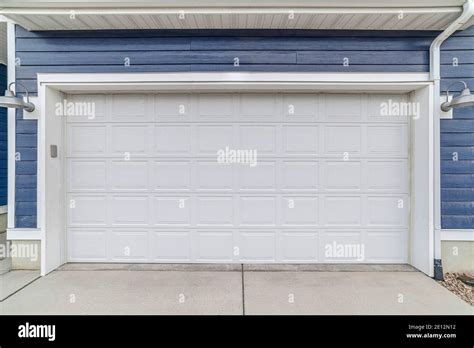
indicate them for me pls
(24, 234)
(11, 128)
(456, 235)
(52, 86)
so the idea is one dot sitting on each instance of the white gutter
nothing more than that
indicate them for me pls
(435, 76)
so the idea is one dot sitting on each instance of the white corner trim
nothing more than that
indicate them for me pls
(11, 128)
(35, 114)
(3, 209)
(456, 235)
(24, 234)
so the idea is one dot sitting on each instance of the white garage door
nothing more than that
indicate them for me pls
(330, 182)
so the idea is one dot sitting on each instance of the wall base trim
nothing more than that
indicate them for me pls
(24, 234)
(459, 235)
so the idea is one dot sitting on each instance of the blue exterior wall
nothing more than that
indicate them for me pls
(267, 50)
(3, 140)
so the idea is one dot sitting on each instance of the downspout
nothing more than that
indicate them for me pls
(435, 76)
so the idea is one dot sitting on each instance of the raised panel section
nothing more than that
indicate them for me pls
(342, 211)
(171, 246)
(172, 210)
(128, 176)
(301, 176)
(342, 139)
(172, 139)
(258, 211)
(87, 140)
(301, 140)
(215, 211)
(299, 246)
(87, 175)
(215, 246)
(300, 211)
(171, 175)
(87, 210)
(129, 210)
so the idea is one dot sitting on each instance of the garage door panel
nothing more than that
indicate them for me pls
(258, 107)
(260, 177)
(298, 246)
(343, 108)
(387, 176)
(300, 140)
(87, 210)
(88, 245)
(300, 107)
(214, 176)
(172, 210)
(87, 175)
(173, 107)
(86, 140)
(211, 107)
(145, 184)
(389, 211)
(130, 108)
(386, 246)
(126, 139)
(215, 211)
(261, 138)
(341, 139)
(128, 245)
(342, 211)
(129, 210)
(212, 138)
(171, 175)
(171, 246)
(342, 246)
(215, 246)
(387, 140)
(300, 211)
(258, 211)
(379, 103)
(258, 246)
(300, 176)
(128, 175)
(343, 175)
(88, 102)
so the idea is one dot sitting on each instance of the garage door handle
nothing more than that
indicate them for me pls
(53, 151)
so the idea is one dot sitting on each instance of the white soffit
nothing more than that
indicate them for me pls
(244, 14)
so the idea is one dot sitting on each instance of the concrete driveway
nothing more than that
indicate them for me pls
(231, 291)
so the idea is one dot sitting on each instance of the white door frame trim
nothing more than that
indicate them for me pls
(54, 84)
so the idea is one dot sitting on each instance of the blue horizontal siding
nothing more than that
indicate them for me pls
(257, 50)
(3, 140)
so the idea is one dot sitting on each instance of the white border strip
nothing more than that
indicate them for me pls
(456, 235)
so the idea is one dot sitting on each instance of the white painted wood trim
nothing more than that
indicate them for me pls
(11, 128)
(231, 77)
(24, 234)
(456, 235)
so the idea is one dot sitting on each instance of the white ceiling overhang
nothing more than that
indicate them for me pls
(225, 14)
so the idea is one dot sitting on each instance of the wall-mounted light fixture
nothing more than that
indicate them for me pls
(10, 100)
(462, 100)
